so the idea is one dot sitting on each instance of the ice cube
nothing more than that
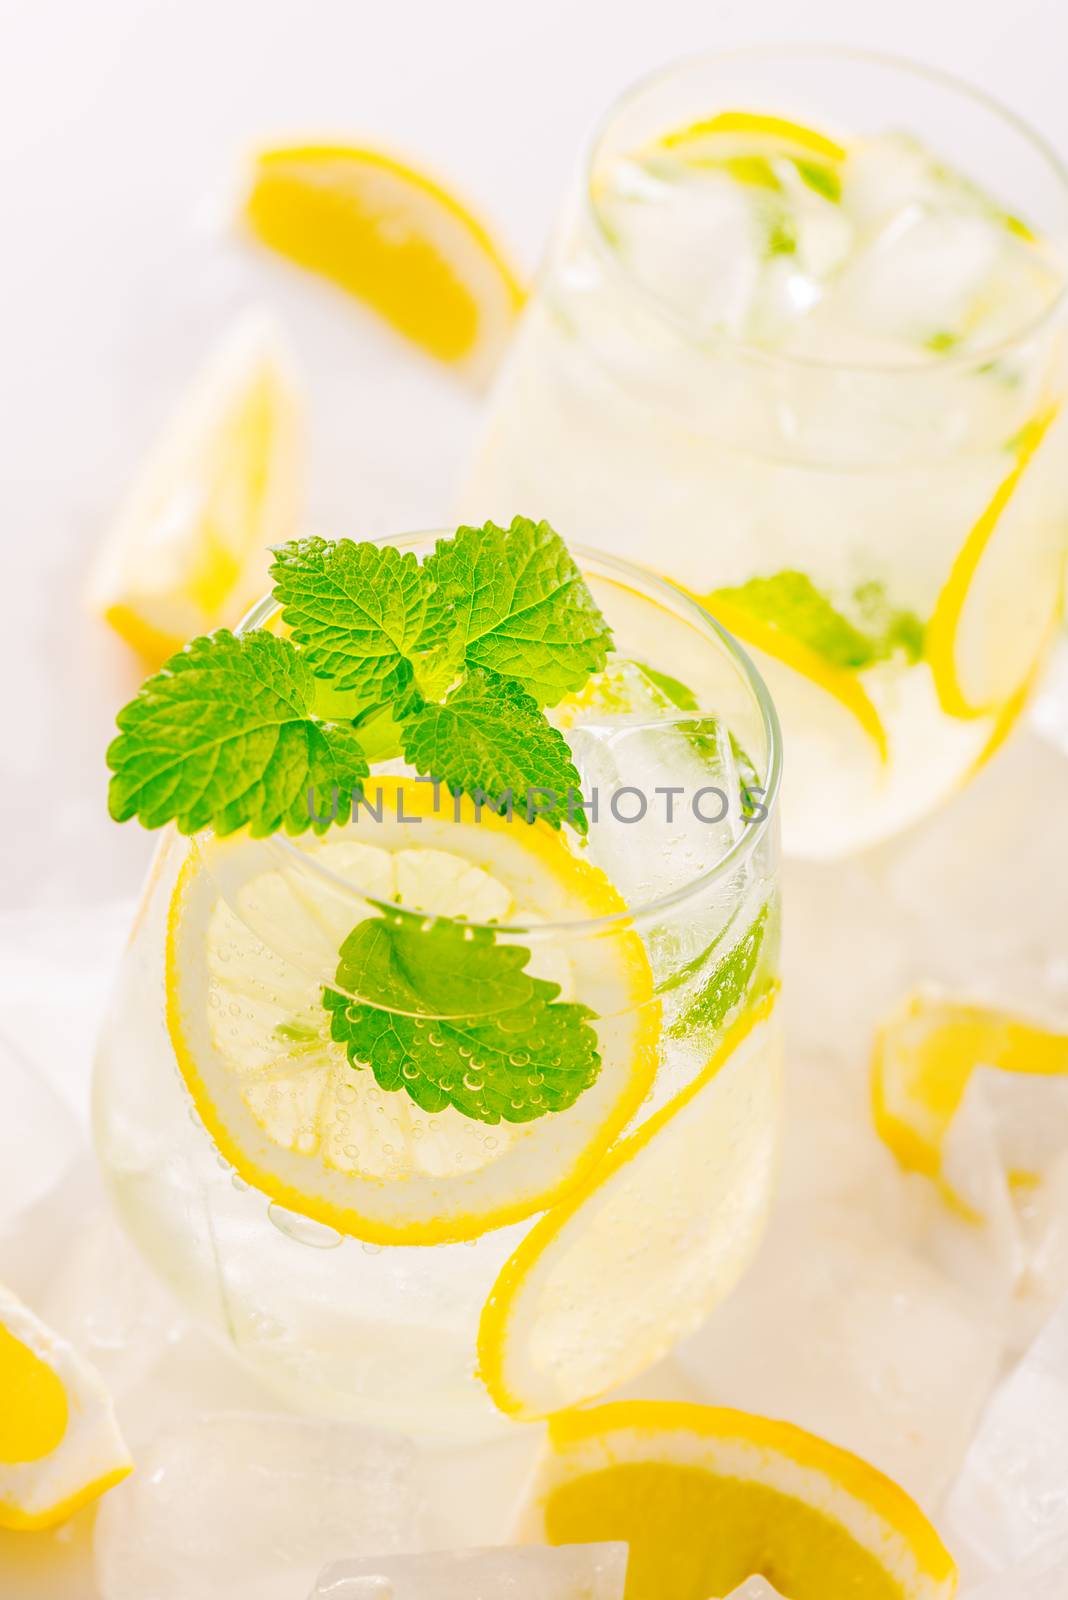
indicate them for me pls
(1011, 1499)
(249, 1506)
(1042, 1578)
(841, 1328)
(530, 1572)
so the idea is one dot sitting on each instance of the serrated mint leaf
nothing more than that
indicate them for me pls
(521, 607)
(489, 739)
(727, 983)
(790, 602)
(520, 1055)
(361, 612)
(222, 736)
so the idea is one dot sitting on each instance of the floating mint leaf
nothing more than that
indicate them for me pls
(222, 736)
(449, 1016)
(489, 740)
(521, 606)
(727, 984)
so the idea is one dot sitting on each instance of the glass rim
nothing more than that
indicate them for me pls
(761, 355)
(646, 583)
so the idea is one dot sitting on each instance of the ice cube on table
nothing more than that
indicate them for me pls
(1045, 1577)
(840, 1328)
(1010, 1501)
(250, 1506)
(527, 1572)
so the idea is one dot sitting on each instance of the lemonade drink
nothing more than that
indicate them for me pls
(799, 345)
(442, 1115)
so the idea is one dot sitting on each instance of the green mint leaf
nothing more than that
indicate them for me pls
(727, 984)
(823, 179)
(521, 607)
(520, 1055)
(363, 613)
(222, 736)
(791, 602)
(490, 739)
(888, 627)
(676, 693)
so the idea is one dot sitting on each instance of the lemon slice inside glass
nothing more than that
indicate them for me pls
(254, 935)
(994, 618)
(60, 1445)
(708, 1497)
(637, 1255)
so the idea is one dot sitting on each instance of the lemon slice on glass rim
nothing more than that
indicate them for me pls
(707, 1497)
(60, 1445)
(254, 931)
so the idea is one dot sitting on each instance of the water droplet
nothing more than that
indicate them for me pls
(519, 1058)
(472, 1081)
(436, 1040)
(371, 1249)
(303, 1230)
(239, 1184)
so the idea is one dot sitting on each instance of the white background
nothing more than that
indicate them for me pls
(124, 124)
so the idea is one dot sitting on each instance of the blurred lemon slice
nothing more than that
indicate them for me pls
(393, 238)
(60, 1445)
(748, 144)
(189, 550)
(641, 1251)
(254, 934)
(706, 1497)
(994, 615)
(923, 1060)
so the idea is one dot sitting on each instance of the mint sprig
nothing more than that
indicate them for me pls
(488, 739)
(448, 1015)
(448, 661)
(521, 607)
(223, 735)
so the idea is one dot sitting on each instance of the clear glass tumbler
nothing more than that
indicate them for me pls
(370, 1255)
(799, 345)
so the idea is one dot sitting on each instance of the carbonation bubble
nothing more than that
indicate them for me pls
(303, 1230)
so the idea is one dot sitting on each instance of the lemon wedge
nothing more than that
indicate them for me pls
(60, 1445)
(750, 145)
(923, 1060)
(707, 1497)
(189, 550)
(639, 1253)
(254, 934)
(994, 615)
(395, 239)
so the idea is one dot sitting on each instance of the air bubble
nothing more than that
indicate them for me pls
(303, 1230)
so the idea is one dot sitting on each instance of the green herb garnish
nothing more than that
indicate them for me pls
(448, 661)
(448, 1014)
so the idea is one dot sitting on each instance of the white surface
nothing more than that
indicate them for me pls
(571, 1572)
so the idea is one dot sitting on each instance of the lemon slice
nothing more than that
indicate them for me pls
(829, 723)
(254, 934)
(749, 143)
(189, 550)
(394, 238)
(708, 1497)
(923, 1061)
(637, 1255)
(60, 1445)
(994, 613)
